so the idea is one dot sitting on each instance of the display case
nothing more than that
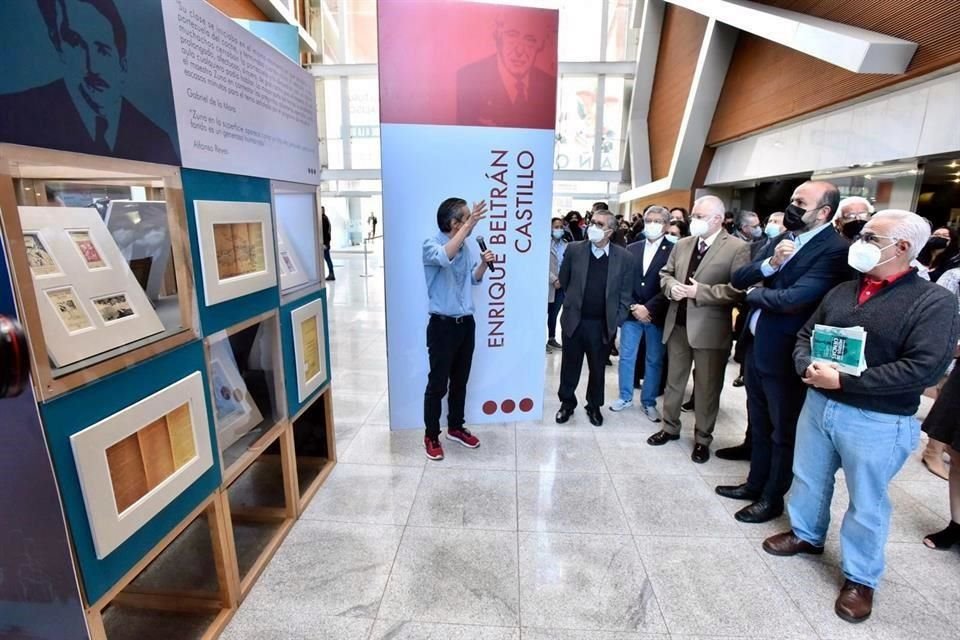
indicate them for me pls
(299, 245)
(99, 253)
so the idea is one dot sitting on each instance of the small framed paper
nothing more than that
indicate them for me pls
(234, 409)
(309, 347)
(292, 273)
(134, 463)
(236, 249)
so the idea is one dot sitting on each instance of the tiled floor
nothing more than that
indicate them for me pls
(560, 532)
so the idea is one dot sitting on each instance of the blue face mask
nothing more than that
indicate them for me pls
(671, 239)
(557, 234)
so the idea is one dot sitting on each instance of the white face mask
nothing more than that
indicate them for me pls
(557, 234)
(865, 257)
(672, 239)
(595, 234)
(699, 227)
(772, 230)
(653, 230)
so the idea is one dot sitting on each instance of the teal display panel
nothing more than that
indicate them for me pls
(207, 185)
(289, 355)
(77, 410)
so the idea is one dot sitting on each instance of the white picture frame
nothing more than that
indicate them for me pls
(213, 215)
(141, 230)
(237, 415)
(308, 383)
(109, 525)
(107, 306)
(292, 272)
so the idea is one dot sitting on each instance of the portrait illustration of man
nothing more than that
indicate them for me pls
(508, 89)
(86, 109)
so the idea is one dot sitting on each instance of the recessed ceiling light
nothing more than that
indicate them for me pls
(953, 165)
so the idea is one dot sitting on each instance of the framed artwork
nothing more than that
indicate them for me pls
(88, 297)
(309, 347)
(292, 272)
(235, 411)
(142, 232)
(134, 463)
(236, 248)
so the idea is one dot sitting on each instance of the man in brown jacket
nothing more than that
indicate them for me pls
(698, 328)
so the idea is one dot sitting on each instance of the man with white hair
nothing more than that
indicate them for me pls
(852, 215)
(698, 328)
(864, 424)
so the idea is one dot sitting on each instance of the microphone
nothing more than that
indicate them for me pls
(483, 247)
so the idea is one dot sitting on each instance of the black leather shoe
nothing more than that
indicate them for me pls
(738, 492)
(738, 381)
(701, 453)
(739, 452)
(596, 418)
(760, 511)
(661, 437)
(687, 407)
(564, 414)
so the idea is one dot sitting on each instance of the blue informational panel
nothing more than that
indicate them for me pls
(206, 185)
(290, 364)
(74, 412)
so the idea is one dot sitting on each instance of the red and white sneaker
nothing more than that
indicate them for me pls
(433, 448)
(464, 437)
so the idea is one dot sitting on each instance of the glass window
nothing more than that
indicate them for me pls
(576, 122)
(580, 31)
(364, 118)
(620, 38)
(331, 124)
(346, 30)
(612, 124)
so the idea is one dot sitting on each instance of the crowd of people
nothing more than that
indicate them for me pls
(683, 289)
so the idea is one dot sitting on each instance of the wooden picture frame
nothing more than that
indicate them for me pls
(309, 347)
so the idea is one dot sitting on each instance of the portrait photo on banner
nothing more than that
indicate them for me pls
(89, 76)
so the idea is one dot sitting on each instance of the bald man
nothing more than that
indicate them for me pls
(699, 327)
(784, 285)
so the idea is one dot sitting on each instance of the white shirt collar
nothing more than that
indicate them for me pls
(655, 243)
(600, 252)
(709, 240)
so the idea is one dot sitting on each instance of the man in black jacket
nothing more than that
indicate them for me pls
(784, 286)
(865, 423)
(647, 313)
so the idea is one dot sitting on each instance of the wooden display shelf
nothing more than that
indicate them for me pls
(182, 588)
(315, 446)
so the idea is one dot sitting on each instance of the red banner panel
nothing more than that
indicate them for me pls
(462, 63)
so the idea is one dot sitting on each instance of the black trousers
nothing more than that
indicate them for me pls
(553, 310)
(774, 403)
(450, 343)
(329, 261)
(587, 341)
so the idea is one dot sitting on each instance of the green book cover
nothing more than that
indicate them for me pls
(841, 346)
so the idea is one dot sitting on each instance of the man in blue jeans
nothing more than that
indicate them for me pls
(864, 423)
(647, 314)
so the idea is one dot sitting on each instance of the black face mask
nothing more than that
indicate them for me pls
(852, 228)
(793, 217)
(937, 242)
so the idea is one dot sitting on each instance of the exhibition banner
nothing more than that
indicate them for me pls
(468, 109)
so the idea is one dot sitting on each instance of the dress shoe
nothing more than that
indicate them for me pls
(738, 381)
(661, 437)
(855, 602)
(788, 544)
(564, 415)
(701, 453)
(739, 452)
(737, 492)
(596, 418)
(688, 406)
(760, 511)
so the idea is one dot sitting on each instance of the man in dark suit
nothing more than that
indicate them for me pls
(85, 110)
(507, 89)
(784, 287)
(597, 277)
(647, 314)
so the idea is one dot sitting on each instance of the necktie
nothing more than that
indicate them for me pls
(703, 247)
(101, 135)
(521, 92)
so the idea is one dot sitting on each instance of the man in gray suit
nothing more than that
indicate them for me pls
(597, 277)
(698, 328)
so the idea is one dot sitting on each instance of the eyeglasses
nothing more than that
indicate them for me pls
(871, 238)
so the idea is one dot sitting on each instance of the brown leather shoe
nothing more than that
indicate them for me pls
(788, 544)
(855, 602)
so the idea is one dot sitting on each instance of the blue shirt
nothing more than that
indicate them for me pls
(449, 281)
(558, 247)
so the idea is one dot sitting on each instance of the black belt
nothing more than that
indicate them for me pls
(453, 319)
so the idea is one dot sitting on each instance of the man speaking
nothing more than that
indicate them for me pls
(451, 272)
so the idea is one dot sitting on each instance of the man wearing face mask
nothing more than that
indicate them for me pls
(784, 286)
(698, 330)
(647, 312)
(597, 279)
(864, 424)
(748, 227)
(852, 215)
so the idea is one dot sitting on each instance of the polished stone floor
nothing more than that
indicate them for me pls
(551, 532)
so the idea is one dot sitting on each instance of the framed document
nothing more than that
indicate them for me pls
(89, 299)
(236, 248)
(142, 232)
(134, 463)
(292, 272)
(235, 411)
(309, 347)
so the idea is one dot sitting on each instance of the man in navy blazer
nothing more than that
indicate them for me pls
(648, 310)
(784, 285)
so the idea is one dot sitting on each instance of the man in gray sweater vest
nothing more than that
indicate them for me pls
(864, 424)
